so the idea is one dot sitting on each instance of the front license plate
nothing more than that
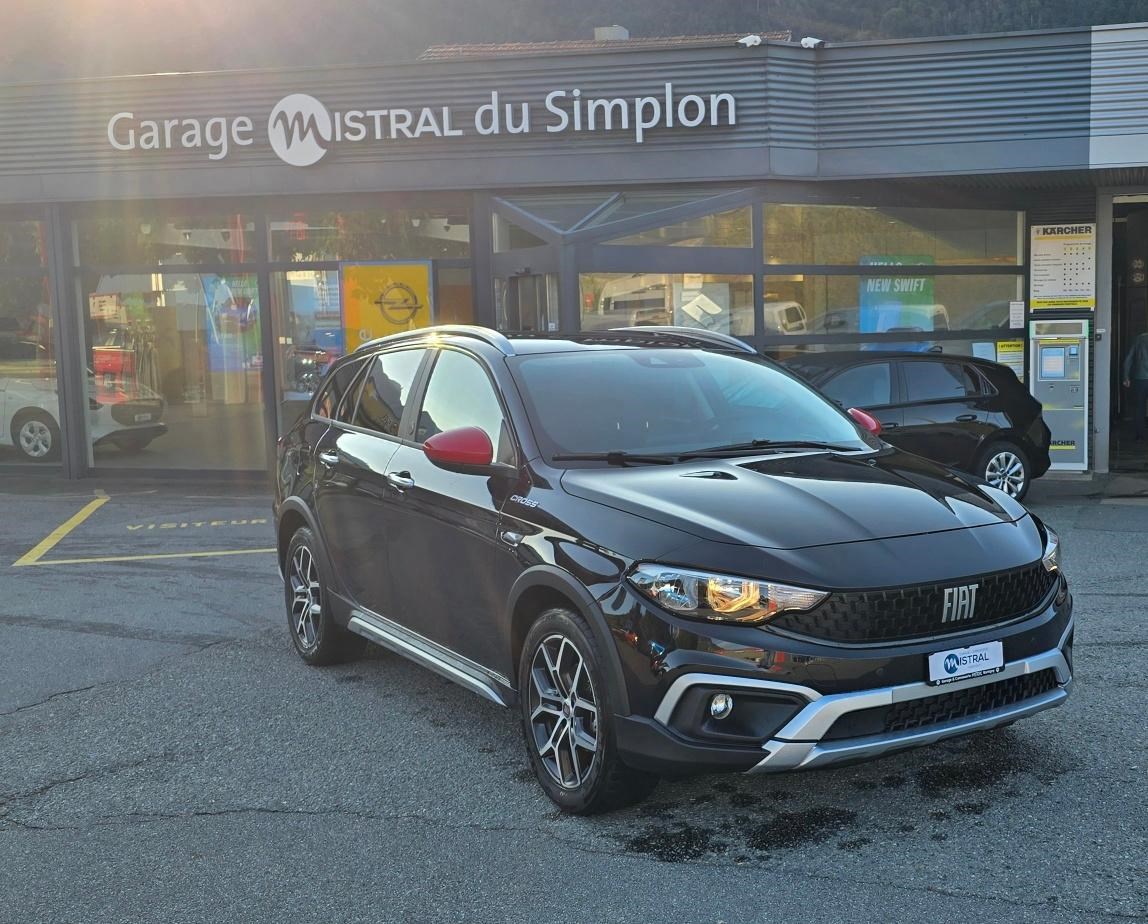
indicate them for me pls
(963, 663)
(143, 418)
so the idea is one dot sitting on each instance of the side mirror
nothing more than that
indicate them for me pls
(868, 421)
(463, 449)
(466, 450)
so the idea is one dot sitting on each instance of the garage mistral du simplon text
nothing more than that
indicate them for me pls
(300, 117)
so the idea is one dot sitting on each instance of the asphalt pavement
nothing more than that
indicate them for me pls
(165, 756)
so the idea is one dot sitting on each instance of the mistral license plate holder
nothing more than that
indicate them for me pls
(965, 663)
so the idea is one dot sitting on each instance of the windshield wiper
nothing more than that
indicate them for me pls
(615, 458)
(768, 445)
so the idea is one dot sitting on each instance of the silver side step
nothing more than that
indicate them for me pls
(410, 645)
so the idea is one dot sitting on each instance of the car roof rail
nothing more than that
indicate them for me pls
(485, 334)
(692, 335)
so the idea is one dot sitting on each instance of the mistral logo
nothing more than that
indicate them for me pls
(300, 130)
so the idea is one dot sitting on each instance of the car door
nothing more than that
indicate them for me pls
(453, 569)
(946, 413)
(870, 386)
(351, 492)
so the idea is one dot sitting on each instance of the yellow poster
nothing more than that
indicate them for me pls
(384, 298)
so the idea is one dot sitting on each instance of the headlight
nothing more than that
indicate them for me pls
(720, 597)
(1051, 557)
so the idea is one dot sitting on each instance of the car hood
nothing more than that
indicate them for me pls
(798, 501)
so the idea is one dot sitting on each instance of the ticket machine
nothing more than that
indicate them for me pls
(1058, 376)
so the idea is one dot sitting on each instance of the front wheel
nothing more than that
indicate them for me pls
(567, 720)
(1004, 465)
(36, 436)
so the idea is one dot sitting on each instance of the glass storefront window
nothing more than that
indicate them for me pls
(378, 234)
(724, 229)
(848, 234)
(29, 403)
(165, 240)
(175, 362)
(23, 243)
(454, 296)
(563, 210)
(812, 304)
(509, 236)
(632, 204)
(707, 301)
(1007, 352)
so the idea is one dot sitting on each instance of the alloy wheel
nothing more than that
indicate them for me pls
(35, 438)
(563, 711)
(307, 602)
(1005, 471)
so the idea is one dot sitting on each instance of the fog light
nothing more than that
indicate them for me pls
(721, 705)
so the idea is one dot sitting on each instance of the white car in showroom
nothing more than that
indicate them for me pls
(130, 417)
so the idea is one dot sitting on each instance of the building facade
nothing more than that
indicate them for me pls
(182, 254)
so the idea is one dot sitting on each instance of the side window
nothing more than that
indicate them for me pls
(460, 394)
(386, 388)
(333, 391)
(870, 385)
(927, 381)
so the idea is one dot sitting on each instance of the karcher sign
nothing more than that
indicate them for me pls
(301, 129)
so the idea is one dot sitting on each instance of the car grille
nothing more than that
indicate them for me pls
(916, 612)
(944, 707)
(126, 412)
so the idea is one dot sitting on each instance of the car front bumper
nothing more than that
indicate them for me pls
(827, 724)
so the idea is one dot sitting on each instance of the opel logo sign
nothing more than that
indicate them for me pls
(300, 130)
(399, 303)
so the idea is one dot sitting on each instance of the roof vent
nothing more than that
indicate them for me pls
(611, 33)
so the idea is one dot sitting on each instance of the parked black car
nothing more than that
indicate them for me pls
(970, 414)
(670, 554)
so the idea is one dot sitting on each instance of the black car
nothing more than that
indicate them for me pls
(966, 413)
(669, 554)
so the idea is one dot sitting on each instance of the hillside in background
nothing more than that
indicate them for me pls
(98, 37)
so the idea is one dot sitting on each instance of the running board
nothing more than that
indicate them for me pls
(428, 654)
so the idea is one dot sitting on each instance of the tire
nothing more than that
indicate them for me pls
(1004, 465)
(36, 436)
(317, 638)
(556, 694)
(133, 444)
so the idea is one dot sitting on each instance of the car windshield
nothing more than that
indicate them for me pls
(672, 401)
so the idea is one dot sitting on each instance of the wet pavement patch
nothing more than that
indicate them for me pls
(855, 844)
(796, 829)
(971, 808)
(675, 845)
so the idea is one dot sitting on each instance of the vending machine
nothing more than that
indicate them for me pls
(1058, 376)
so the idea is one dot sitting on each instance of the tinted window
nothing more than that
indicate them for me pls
(671, 401)
(386, 388)
(460, 395)
(925, 381)
(327, 403)
(862, 386)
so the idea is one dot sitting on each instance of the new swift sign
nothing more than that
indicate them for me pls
(301, 129)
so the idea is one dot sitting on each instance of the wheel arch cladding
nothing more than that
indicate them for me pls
(545, 586)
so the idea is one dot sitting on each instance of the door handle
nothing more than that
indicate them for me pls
(510, 537)
(889, 426)
(329, 458)
(965, 418)
(400, 480)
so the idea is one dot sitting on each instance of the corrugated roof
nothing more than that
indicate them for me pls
(577, 46)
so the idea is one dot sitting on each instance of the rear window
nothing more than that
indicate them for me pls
(931, 381)
(331, 394)
(386, 390)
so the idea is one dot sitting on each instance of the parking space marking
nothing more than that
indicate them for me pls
(115, 558)
(49, 542)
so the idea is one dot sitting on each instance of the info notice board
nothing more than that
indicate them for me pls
(1062, 267)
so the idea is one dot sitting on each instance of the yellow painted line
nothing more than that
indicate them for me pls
(111, 558)
(49, 542)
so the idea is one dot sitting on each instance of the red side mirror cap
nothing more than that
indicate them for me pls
(868, 421)
(460, 449)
